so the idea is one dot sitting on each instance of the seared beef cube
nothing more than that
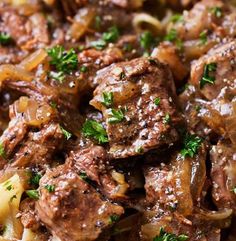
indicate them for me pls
(142, 113)
(92, 164)
(223, 175)
(71, 209)
(215, 70)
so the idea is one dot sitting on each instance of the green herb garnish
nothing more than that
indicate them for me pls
(95, 130)
(83, 176)
(116, 116)
(191, 145)
(34, 194)
(107, 99)
(2, 151)
(63, 61)
(66, 133)
(83, 69)
(157, 101)
(111, 35)
(99, 44)
(177, 18)
(98, 22)
(207, 77)
(172, 36)
(166, 119)
(5, 38)
(113, 218)
(164, 236)
(147, 40)
(203, 37)
(217, 11)
(35, 178)
(50, 188)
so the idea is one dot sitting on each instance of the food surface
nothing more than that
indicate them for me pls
(117, 120)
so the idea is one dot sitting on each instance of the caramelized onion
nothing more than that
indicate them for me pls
(33, 112)
(33, 60)
(144, 21)
(81, 22)
(8, 71)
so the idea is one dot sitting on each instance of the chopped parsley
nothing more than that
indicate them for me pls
(116, 116)
(35, 178)
(107, 99)
(197, 108)
(234, 190)
(166, 119)
(9, 187)
(34, 194)
(13, 197)
(139, 150)
(164, 236)
(147, 40)
(59, 76)
(63, 61)
(157, 101)
(99, 44)
(122, 75)
(177, 18)
(172, 36)
(113, 218)
(127, 47)
(5, 38)
(83, 69)
(217, 11)
(111, 35)
(2, 150)
(53, 104)
(191, 145)
(95, 130)
(203, 37)
(66, 133)
(207, 77)
(83, 176)
(50, 188)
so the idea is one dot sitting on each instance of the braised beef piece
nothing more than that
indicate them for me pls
(221, 59)
(223, 175)
(93, 163)
(141, 124)
(73, 210)
(32, 137)
(28, 32)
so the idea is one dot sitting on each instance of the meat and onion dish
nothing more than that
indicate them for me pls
(117, 120)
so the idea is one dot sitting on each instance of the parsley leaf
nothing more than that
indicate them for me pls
(99, 44)
(35, 178)
(234, 190)
(92, 128)
(83, 176)
(66, 133)
(113, 218)
(203, 37)
(64, 61)
(5, 38)
(157, 101)
(2, 150)
(172, 36)
(191, 145)
(107, 99)
(98, 22)
(34, 194)
(147, 40)
(116, 116)
(166, 119)
(176, 18)
(112, 35)
(50, 188)
(59, 76)
(164, 236)
(217, 11)
(207, 77)
(83, 69)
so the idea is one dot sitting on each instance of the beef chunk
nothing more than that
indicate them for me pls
(74, 210)
(27, 32)
(222, 58)
(93, 163)
(178, 185)
(142, 125)
(223, 175)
